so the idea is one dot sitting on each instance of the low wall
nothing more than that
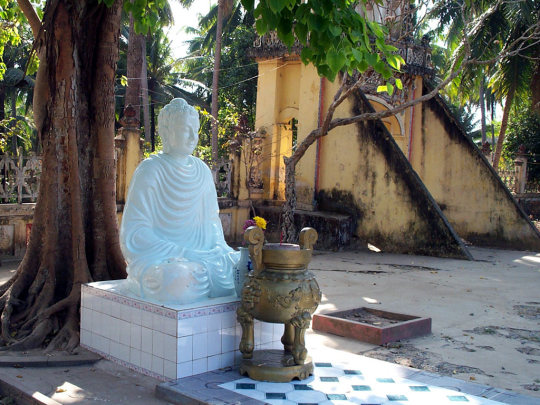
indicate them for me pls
(335, 230)
(233, 215)
(15, 225)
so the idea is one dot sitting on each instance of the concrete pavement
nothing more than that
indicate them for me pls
(486, 318)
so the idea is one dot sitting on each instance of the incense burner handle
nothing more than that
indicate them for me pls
(254, 236)
(308, 238)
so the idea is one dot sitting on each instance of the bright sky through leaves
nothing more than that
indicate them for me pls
(186, 18)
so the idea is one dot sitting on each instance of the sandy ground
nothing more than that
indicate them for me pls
(8, 267)
(485, 313)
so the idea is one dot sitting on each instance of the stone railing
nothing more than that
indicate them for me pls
(510, 179)
(19, 178)
(532, 187)
(516, 176)
(508, 176)
(417, 58)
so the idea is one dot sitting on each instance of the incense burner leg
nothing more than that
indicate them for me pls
(246, 343)
(288, 337)
(300, 323)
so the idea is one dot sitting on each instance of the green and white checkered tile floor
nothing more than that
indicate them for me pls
(355, 382)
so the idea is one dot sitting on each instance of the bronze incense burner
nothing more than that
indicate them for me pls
(279, 289)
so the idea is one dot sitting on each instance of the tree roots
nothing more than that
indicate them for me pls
(30, 314)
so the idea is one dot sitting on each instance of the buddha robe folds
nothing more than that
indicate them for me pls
(171, 234)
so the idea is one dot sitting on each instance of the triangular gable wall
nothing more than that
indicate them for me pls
(471, 195)
(396, 211)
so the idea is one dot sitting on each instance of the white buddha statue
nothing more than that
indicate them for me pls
(171, 234)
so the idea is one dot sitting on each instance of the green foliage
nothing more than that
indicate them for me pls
(11, 26)
(238, 72)
(334, 35)
(164, 79)
(146, 13)
(205, 40)
(231, 122)
(16, 131)
(524, 129)
(147, 148)
(502, 23)
(518, 18)
(237, 79)
(17, 88)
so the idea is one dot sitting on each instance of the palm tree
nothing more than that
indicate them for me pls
(134, 67)
(223, 11)
(210, 41)
(511, 75)
(164, 80)
(16, 91)
(137, 83)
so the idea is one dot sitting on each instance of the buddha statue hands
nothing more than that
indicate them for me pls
(171, 234)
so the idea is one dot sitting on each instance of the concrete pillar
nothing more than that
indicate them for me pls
(520, 164)
(129, 152)
(266, 118)
(308, 106)
(120, 145)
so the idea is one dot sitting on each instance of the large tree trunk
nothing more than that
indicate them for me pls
(504, 125)
(74, 237)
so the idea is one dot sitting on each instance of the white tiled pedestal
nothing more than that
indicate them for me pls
(165, 341)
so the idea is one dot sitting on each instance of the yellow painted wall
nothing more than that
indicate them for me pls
(460, 180)
(351, 164)
(344, 157)
(309, 85)
(238, 217)
(276, 105)
(391, 217)
(394, 124)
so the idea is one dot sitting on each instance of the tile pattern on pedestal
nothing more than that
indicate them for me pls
(351, 382)
(165, 342)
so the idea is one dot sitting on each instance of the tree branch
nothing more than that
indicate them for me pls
(31, 16)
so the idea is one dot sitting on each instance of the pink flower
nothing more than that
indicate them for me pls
(248, 223)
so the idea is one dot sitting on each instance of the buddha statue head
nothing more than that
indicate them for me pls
(178, 124)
